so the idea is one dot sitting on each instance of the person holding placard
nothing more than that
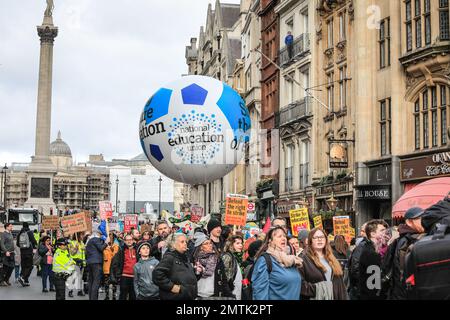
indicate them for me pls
(321, 272)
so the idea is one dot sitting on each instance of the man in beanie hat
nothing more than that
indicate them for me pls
(144, 287)
(214, 228)
(63, 266)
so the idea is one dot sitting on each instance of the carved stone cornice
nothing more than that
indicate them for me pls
(47, 33)
(341, 45)
(351, 11)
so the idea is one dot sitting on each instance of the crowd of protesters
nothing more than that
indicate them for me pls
(217, 262)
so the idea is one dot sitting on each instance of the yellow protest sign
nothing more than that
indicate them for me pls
(318, 222)
(352, 232)
(299, 220)
(236, 210)
(341, 226)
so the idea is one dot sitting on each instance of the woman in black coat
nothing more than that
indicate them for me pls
(175, 275)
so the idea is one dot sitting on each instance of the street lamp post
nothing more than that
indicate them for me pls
(134, 196)
(159, 202)
(3, 185)
(117, 193)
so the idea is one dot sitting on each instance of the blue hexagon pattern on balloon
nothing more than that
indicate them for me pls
(156, 152)
(158, 105)
(238, 118)
(194, 94)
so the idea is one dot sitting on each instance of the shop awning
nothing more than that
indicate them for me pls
(423, 196)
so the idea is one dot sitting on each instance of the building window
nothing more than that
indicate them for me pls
(330, 34)
(305, 21)
(443, 115)
(343, 87)
(330, 91)
(304, 165)
(425, 120)
(342, 26)
(434, 120)
(417, 124)
(289, 167)
(385, 43)
(427, 22)
(408, 26)
(418, 32)
(305, 80)
(444, 25)
(385, 126)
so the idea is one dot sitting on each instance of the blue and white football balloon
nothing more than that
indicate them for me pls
(194, 130)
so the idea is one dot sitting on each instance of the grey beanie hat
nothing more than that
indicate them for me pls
(199, 238)
(303, 234)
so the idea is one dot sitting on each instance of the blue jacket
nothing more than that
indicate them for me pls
(281, 284)
(289, 39)
(94, 250)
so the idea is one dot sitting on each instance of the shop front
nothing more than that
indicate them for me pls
(374, 193)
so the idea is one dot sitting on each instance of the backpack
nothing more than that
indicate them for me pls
(427, 267)
(247, 289)
(24, 241)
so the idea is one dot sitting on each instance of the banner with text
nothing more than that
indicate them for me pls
(341, 226)
(74, 223)
(299, 220)
(318, 222)
(106, 211)
(130, 221)
(236, 209)
(50, 223)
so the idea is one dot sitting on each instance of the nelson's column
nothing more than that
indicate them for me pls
(41, 170)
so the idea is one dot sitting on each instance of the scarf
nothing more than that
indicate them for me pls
(283, 258)
(239, 256)
(209, 261)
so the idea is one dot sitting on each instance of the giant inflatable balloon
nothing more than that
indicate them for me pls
(194, 130)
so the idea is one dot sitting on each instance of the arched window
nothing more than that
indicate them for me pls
(431, 117)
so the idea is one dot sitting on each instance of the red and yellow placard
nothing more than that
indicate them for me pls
(299, 220)
(236, 210)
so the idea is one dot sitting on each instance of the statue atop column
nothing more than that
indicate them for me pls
(49, 10)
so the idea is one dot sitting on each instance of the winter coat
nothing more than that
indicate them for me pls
(369, 258)
(143, 278)
(42, 250)
(94, 250)
(7, 245)
(175, 268)
(281, 284)
(108, 255)
(311, 275)
(353, 269)
(117, 262)
(394, 262)
(155, 251)
(27, 251)
(221, 283)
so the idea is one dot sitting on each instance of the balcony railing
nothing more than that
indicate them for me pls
(300, 45)
(294, 112)
(304, 175)
(288, 179)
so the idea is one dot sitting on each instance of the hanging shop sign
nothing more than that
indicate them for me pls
(338, 155)
(425, 167)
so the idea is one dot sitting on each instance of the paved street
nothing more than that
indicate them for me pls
(33, 292)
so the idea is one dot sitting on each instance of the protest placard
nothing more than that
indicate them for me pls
(236, 209)
(74, 223)
(341, 226)
(130, 221)
(196, 213)
(106, 210)
(318, 222)
(50, 223)
(299, 220)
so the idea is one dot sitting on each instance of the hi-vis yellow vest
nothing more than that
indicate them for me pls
(62, 262)
(77, 250)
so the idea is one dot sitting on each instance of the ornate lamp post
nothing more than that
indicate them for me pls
(4, 169)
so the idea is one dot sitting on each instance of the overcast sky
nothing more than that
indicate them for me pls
(109, 58)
